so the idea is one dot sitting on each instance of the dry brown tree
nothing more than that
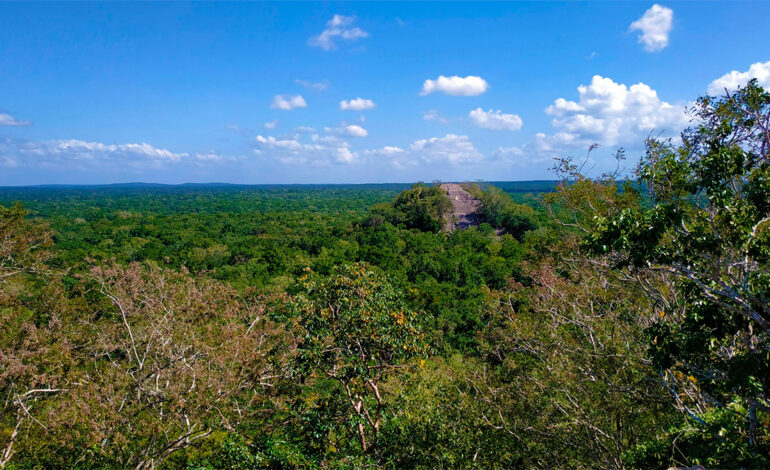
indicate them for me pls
(172, 359)
(32, 350)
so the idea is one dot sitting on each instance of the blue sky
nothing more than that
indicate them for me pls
(253, 92)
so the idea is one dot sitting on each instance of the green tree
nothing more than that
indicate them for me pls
(355, 330)
(422, 207)
(501, 212)
(706, 235)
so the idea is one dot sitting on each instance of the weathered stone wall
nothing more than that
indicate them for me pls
(465, 206)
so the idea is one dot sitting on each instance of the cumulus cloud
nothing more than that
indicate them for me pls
(731, 81)
(611, 113)
(349, 130)
(288, 102)
(607, 113)
(358, 104)
(320, 151)
(339, 27)
(271, 124)
(82, 154)
(433, 115)
(355, 131)
(8, 120)
(317, 86)
(454, 149)
(456, 86)
(655, 26)
(495, 120)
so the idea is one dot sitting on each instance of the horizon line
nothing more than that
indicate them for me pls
(218, 183)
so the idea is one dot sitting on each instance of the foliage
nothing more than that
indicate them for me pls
(355, 330)
(706, 233)
(715, 440)
(439, 419)
(152, 361)
(222, 326)
(498, 210)
(573, 383)
(249, 244)
(34, 349)
(24, 246)
(421, 207)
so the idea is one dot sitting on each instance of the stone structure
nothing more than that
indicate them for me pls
(465, 207)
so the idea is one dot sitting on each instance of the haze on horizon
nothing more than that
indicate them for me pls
(269, 93)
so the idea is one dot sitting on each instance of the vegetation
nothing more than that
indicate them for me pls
(422, 207)
(603, 324)
(498, 210)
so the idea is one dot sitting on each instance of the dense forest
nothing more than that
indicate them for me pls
(590, 322)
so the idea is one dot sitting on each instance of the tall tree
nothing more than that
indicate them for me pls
(33, 350)
(707, 232)
(356, 329)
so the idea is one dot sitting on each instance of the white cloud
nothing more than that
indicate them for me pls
(8, 120)
(456, 86)
(607, 113)
(731, 81)
(350, 130)
(433, 115)
(288, 102)
(358, 104)
(82, 154)
(454, 149)
(542, 148)
(355, 131)
(337, 27)
(503, 152)
(317, 86)
(91, 150)
(9, 162)
(386, 151)
(495, 120)
(560, 142)
(561, 106)
(321, 151)
(271, 124)
(209, 157)
(611, 113)
(396, 156)
(510, 155)
(448, 150)
(655, 26)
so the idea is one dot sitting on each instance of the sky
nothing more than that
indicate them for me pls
(359, 92)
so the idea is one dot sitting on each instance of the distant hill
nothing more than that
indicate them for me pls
(509, 186)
